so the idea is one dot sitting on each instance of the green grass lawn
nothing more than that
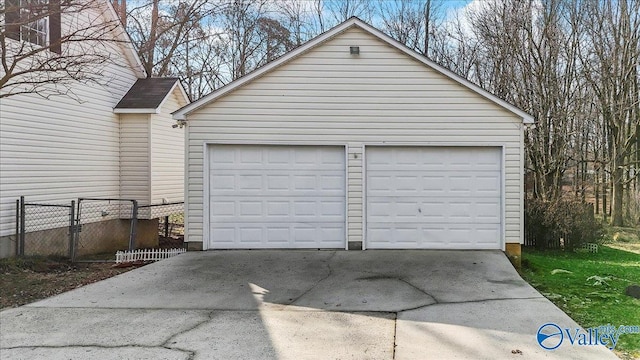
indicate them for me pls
(593, 292)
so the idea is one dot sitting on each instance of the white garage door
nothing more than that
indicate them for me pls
(433, 197)
(276, 197)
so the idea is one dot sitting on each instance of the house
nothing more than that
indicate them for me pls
(115, 141)
(353, 141)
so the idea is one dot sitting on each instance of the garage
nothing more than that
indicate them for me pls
(354, 141)
(285, 197)
(433, 197)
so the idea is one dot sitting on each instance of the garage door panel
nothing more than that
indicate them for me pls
(331, 184)
(274, 157)
(487, 212)
(305, 182)
(278, 211)
(278, 208)
(250, 209)
(223, 155)
(223, 208)
(390, 210)
(486, 235)
(433, 197)
(225, 236)
(436, 158)
(279, 235)
(277, 196)
(388, 183)
(442, 237)
(221, 183)
(488, 188)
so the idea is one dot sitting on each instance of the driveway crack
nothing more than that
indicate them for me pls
(166, 344)
(191, 354)
(329, 273)
(469, 302)
(97, 346)
(395, 334)
(491, 299)
(393, 277)
(419, 289)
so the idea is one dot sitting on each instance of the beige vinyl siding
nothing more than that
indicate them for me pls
(167, 153)
(327, 96)
(58, 149)
(134, 157)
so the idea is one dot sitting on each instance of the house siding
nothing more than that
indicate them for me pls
(167, 153)
(135, 157)
(327, 96)
(55, 150)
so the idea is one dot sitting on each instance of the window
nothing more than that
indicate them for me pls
(34, 21)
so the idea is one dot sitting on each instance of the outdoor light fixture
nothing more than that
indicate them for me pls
(354, 50)
(179, 124)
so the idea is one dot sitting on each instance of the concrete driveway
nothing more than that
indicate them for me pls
(297, 305)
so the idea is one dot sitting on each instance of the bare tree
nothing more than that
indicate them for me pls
(162, 30)
(298, 19)
(535, 68)
(411, 22)
(199, 61)
(318, 19)
(337, 11)
(46, 47)
(453, 47)
(612, 61)
(276, 39)
(204, 67)
(252, 35)
(240, 26)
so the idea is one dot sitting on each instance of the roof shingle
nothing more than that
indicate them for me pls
(147, 93)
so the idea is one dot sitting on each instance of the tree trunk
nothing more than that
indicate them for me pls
(153, 33)
(596, 190)
(427, 25)
(604, 194)
(616, 206)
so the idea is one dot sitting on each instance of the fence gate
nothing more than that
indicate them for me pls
(44, 229)
(105, 225)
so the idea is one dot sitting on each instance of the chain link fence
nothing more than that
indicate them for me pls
(170, 224)
(93, 226)
(105, 226)
(44, 229)
(157, 211)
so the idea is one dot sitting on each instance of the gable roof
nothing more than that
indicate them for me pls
(146, 96)
(181, 114)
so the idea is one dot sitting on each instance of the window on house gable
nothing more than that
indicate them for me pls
(34, 21)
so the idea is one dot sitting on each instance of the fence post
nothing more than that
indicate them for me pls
(72, 219)
(134, 223)
(166, 226)
(76, 231)
(17, 227)
(22, 227)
